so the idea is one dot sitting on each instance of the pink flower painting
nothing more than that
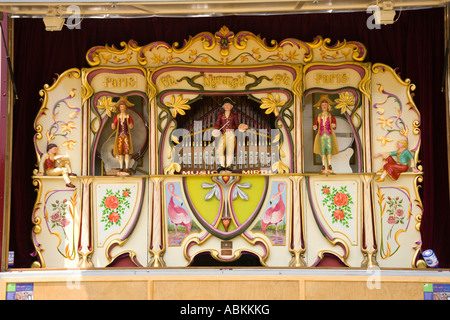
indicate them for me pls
(58, 218)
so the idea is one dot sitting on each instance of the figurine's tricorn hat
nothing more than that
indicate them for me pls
(323, 98)
(228, 100)
(123, 100)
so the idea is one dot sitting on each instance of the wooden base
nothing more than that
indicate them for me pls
(240, 284)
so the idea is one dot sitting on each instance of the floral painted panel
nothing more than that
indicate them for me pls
(396, 211)
(60, 213)
(336, 207)
(114, 205)
(338, 202)
(117, 209)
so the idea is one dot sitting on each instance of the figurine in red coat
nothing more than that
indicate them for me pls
(227, 122)
(325, 143)
(123, 145)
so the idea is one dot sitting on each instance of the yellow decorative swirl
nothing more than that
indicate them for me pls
(172, 168)
(107, 54)
(357, 52)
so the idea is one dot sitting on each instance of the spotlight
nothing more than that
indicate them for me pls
(386, 13)
(52, 22)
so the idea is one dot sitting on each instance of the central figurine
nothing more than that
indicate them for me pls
(226, 124)
(123, 145)
(325, 143)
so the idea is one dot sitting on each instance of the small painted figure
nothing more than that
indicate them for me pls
(52, 164)
(325, 142)
(227, 122)
(123, 146)
(395, 168)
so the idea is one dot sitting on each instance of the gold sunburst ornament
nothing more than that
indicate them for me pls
(178, 105)
(271, 104)
(106, 104)
(345, 101)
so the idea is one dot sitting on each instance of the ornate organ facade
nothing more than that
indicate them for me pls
(275, 204)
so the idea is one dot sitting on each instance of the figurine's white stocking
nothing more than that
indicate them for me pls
(127, 161)
(226, 145)
(120, 162)
(64, 173)
(68, 168)
(230, 147)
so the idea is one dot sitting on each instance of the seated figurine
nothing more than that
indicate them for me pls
(52, 164)
(395, 168)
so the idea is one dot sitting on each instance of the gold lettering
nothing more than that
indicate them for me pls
(252, 171)
(281, 79)
(167, 81)
(318, 77)
(332, 78)
(213, 81)
(344, 78)
(198, 172)
(123, 82)
(132, 82)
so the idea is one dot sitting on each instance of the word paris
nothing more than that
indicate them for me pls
(202, 152)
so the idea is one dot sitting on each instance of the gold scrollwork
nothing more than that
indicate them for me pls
(110, 54)
(74, 72)
(380, 67)
(157, 260)
(415, 261)
(152, 89)
(336, 242)
(37, 225)
(236, 255)
(71, 73)
(356, 50)
(194, 241)
(322, 253)
(297, 85)
(120, 243)
(417, 184)
(255, 241)
(369, 260)
(294, 50)
(86, 90)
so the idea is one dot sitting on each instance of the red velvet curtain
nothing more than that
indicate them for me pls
(414, 44)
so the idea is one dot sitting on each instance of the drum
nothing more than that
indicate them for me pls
(344, 134)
